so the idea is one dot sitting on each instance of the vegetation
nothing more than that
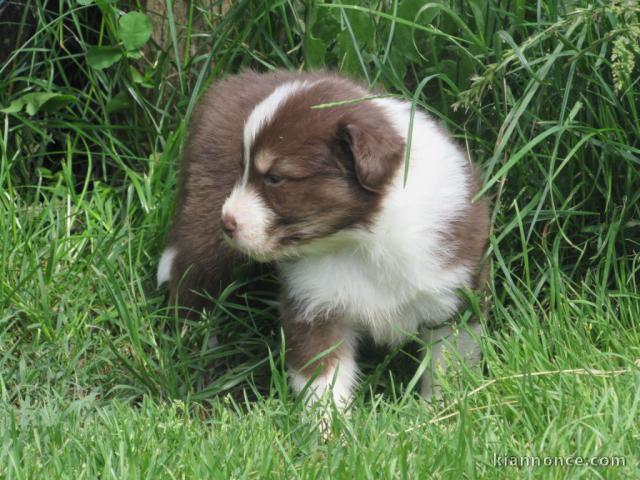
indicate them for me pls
(99, 378)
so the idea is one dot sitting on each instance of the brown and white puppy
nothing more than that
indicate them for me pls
(321, 192)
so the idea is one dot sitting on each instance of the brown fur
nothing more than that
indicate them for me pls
(470, 231)
(332, 178)
(345, 190)
(335, 164)
(211, 166)
(307, 340)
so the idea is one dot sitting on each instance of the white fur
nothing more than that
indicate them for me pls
(262, 113)
(253, 218)
(393, 277)
(390, 278)
(340, 379)
(165, 264)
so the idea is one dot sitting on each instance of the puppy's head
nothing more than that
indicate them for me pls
(309, 173)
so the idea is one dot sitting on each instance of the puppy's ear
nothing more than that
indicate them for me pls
(377, 152)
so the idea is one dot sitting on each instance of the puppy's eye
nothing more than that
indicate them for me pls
(272, 179)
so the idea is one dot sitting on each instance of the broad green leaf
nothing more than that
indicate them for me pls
(103, 57)
(414, 11)
(35, 102)
(324, 23)
(146, 80)
(120, 101)
(315, 50)
(407, 41)
(136, 76)
(135, 30)
(354, 43)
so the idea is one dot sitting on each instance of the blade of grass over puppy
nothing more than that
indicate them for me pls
(352, 101)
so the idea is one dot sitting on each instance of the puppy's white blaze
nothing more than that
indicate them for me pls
(339, 378)
(262, 113)
(253, 219)
(165, 264)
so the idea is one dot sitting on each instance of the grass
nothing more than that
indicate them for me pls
(99, 378)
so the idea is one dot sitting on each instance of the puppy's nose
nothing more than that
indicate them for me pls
(229, 224)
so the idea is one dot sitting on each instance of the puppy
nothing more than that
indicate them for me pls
(274, 173)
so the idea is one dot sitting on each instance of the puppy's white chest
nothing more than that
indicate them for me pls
(385, 302)
(395, 274)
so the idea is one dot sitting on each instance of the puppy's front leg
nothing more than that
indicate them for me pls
(321, 353)
(450, 345)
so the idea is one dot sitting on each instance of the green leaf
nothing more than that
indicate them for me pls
(85, 2)
(315, 50)
(136, 76)
(146, 81)
(35, 102)
(103, 57)
(407, 41)
(119, 102)
(324, 24)
(354, 43)
(135, 30)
